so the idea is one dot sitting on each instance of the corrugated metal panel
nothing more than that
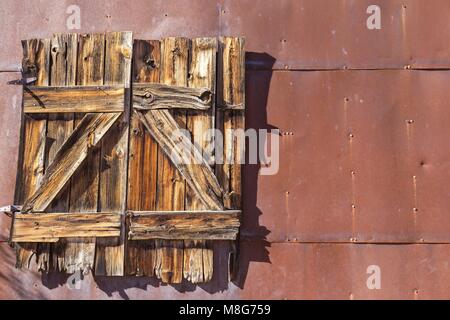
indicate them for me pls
(323, 34)
(372, 139)
(300, 34)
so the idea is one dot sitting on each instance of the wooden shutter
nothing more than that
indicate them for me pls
(87, 146)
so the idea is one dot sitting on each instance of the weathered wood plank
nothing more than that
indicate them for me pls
(49, 227)
(198, 256)
(171, 186)
(231, 92)
(192, 225)
(113, 174)
(140, 256)
(65, 99)
(72, 153)
(152, 96)
(59, 127)
(80, 252)
(185, 156)
(35, 64)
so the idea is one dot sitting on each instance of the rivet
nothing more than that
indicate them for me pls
(287, 193)
(410, 121)
(351, 135)
(352, 173)
(353, 206)
(415, 209)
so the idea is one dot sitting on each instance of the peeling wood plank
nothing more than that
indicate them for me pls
(59, 127)
(86, 135)
(231, 92)
(113, 173)
(192, 225)
(140, 256)
(80, 252)
(171, 186)
(198, 256)
(153, 96)
(70, 99)
(49, 227)
(35, 64)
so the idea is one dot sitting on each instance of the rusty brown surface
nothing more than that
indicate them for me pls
(299, 34)
(296, 271)
(368, 144)
(10, 110)
(388, 127)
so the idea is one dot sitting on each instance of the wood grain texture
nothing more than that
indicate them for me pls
(113, 168)
(35, 64)
(198, 255)
(171, 186)
(65, 99)
(140, 256)
(80, 252)
(231, 92)
(63, 63)
(192, 225)
(72, 153)
(185, 157)
(49, 227)
(153, 96)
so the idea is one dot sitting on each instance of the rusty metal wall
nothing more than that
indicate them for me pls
(363, 177)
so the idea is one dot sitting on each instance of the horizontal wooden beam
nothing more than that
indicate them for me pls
(73, 99)
(152, 96)
(192, 225)
(50, 227)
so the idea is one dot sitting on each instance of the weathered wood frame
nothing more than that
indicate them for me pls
(176, 236)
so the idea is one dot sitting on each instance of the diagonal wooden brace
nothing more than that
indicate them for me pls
(69, 157)
(185, 156)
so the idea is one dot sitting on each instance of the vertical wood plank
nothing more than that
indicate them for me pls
(142, 163)
(113, 172)
(202, 74)
(60, 126)
(231, 92)
(171, 185)
(80, 252)
(36, 57)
